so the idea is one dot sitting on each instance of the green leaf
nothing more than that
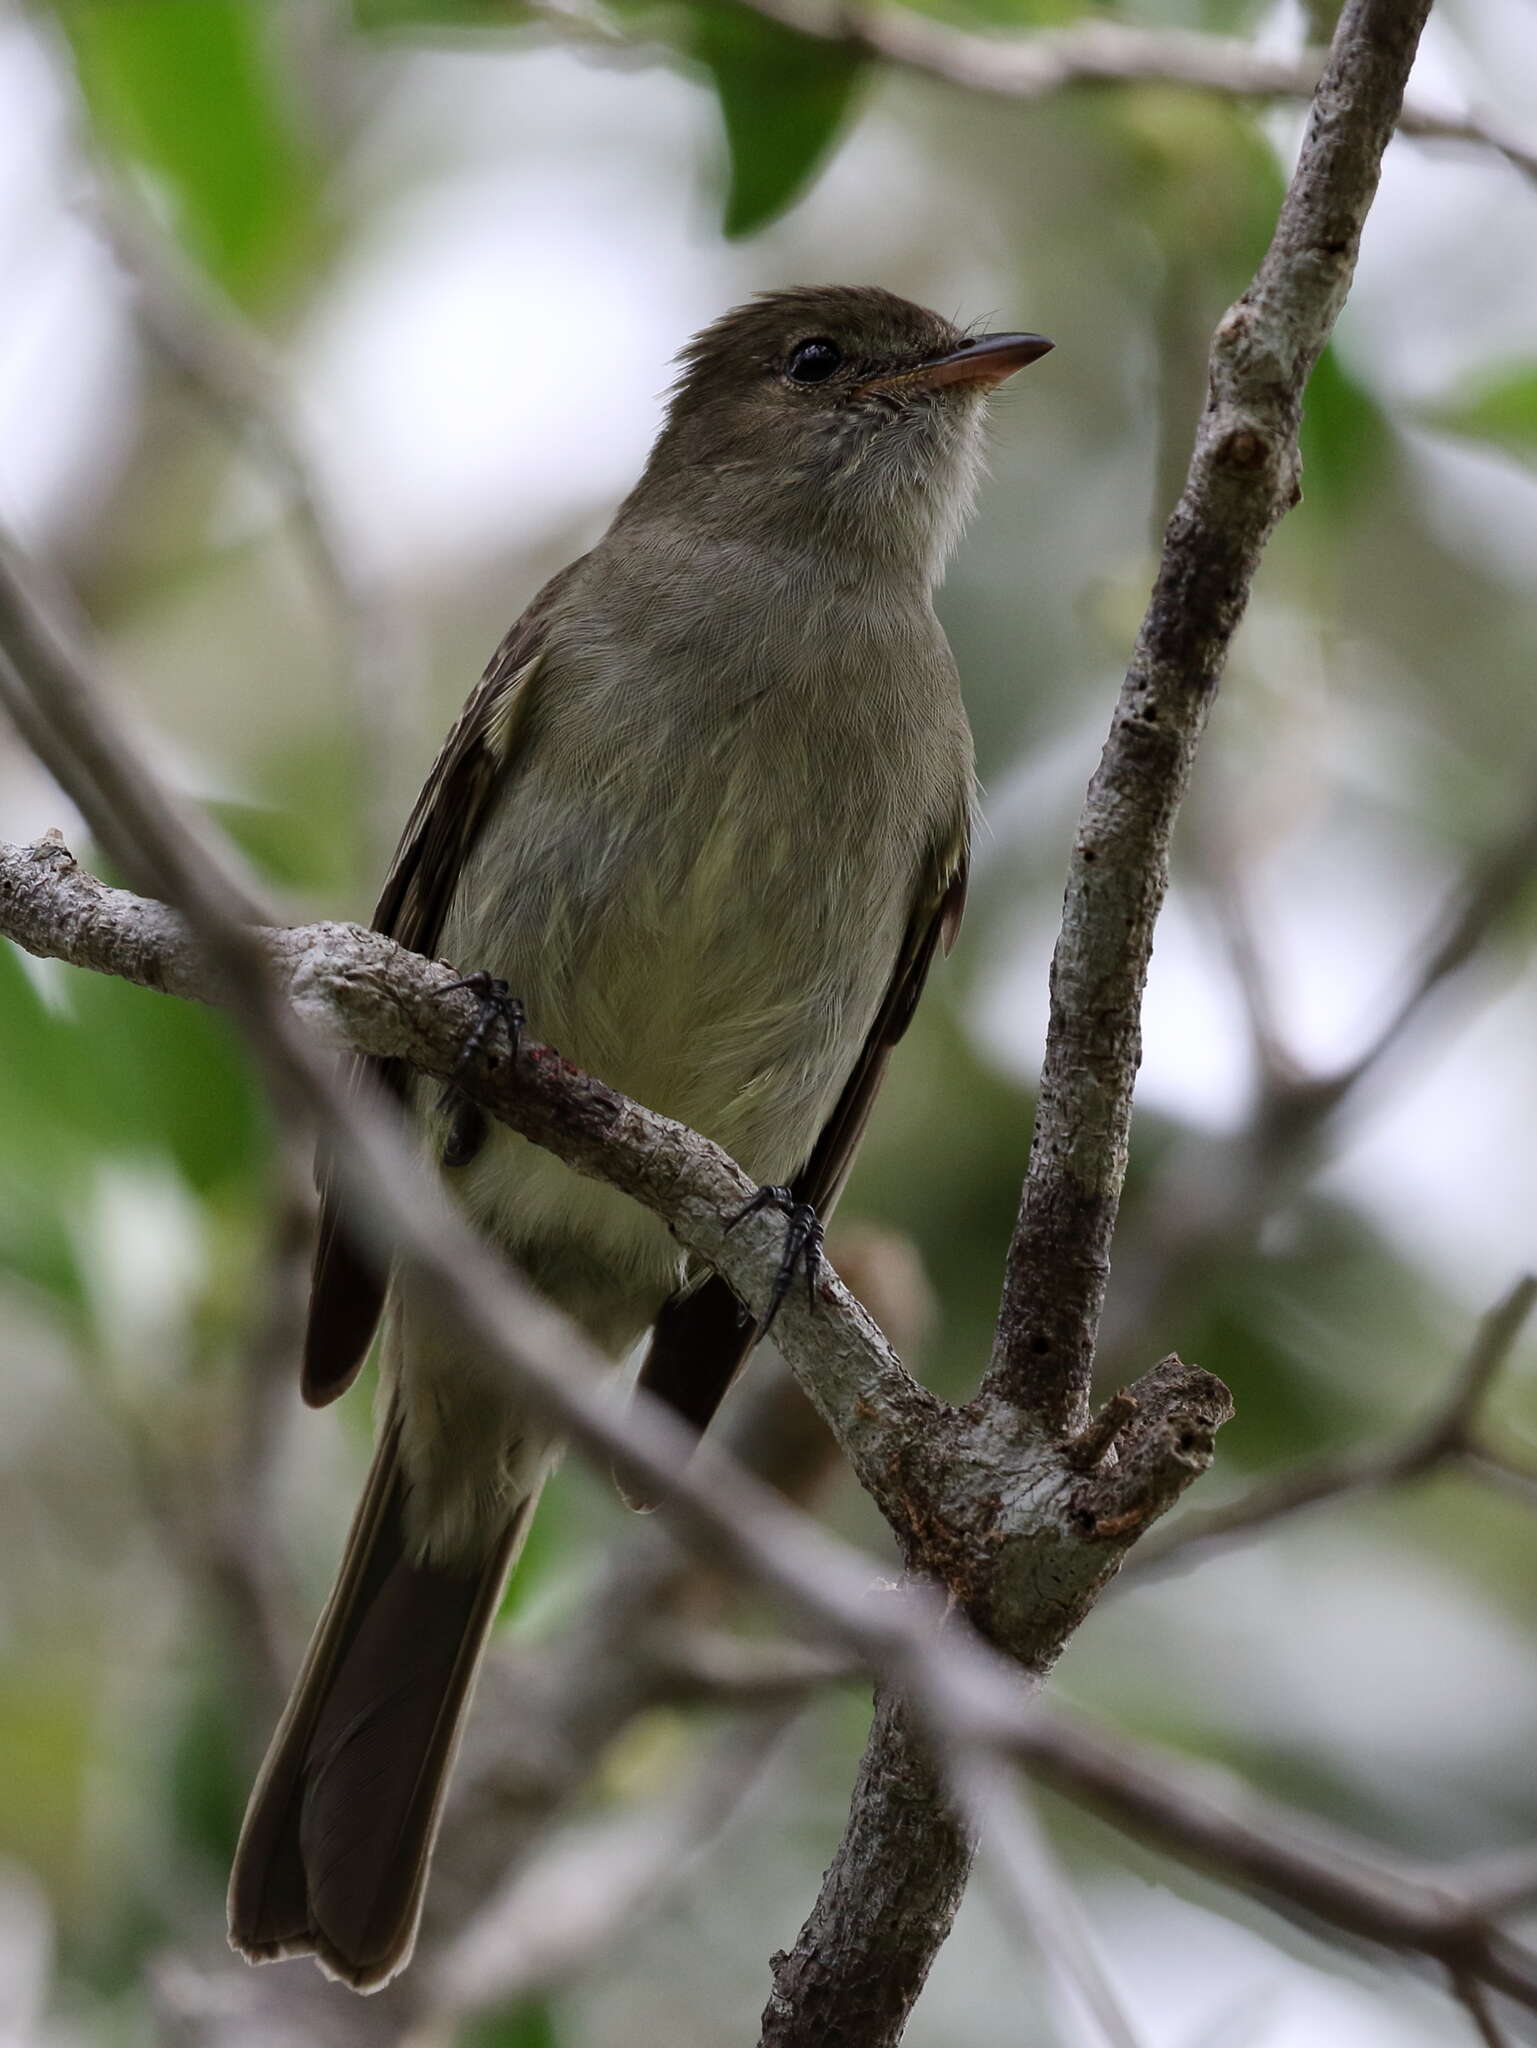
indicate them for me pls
(186, 90)
(783, 98)
(985, 14)
(208, 1774)
(531, 2026)
(1502, 408)
(1345, 437)
(162, 1076)
(430, 14)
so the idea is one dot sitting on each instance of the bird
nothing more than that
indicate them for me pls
(707, 815)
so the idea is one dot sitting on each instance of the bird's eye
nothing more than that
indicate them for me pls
(813, 361)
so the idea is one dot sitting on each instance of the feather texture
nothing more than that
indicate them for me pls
(334, 1851)
(706, 813)
(346, 1287)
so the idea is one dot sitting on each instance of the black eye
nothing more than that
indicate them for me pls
(811, 361)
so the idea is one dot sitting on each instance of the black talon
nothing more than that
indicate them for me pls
(802, 1245)
(497, 1004)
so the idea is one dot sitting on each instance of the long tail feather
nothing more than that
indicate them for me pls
(334, 1851)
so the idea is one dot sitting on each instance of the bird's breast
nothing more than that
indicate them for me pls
(701, 897)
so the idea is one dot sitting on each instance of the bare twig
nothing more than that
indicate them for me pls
(1222, 881)
(550, 1920)
(863, 1932)
(1242, 480)
(1089, 53)
(1505, 1471)
(939, 1685)
(1493, 884)
(1200, 1817)
(1042, 1897)
(975, 1696)
(362, 992)
(1470, 1993)
(1447, 1435)
(230, 367)
(1500, 1884)
(1212, 1198)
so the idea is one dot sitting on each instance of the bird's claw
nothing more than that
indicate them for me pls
(802, 1246)
(497, 1005)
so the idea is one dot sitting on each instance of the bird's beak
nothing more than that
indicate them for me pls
(986, 359)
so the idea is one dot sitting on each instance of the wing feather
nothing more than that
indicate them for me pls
(347, 1285)
(702, 1337)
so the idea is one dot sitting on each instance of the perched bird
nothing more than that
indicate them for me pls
(706, 814)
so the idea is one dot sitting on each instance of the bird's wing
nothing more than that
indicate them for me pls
(702, 1336)
(933, 927)
(347, 1286)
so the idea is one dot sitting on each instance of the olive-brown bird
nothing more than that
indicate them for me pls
(706, 814)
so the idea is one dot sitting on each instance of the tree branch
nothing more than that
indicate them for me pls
(1200, 1817)
(1089, 53)
(550, 1920)
(1029, 1534)
(971, 1697)
(1211, 1198)
(858, 1963)
(1243, 478)
(360, 992)
(224, 360)
(976, 1498)
(1447, 1435)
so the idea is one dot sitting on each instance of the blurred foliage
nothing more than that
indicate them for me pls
(186, 93)
(783, 98)
(1501, 408)
(134, 1147)
(531, 2027)
(440, 14)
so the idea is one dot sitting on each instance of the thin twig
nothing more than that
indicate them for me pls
(1243, 478)
(1200, 1817)
(552, 1919)
(1468, 1992)
(1504, 1471)
(1499, 1884)
(1042, 1898)
(1493, 884)
(963, 1687)
(1212, 1197)
(364, 993)
(1446, 1436)
(1098, 53)
(230, 367)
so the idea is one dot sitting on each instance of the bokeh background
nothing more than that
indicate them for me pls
(328, 333)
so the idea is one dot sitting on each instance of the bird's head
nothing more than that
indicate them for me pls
(839, 411)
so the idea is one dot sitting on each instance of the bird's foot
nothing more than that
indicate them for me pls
(497, 1006)
(802, 1246)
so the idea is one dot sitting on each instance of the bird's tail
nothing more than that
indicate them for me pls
(333, 1855)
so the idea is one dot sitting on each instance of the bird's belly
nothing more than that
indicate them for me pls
(725, 975)
(730, 983)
